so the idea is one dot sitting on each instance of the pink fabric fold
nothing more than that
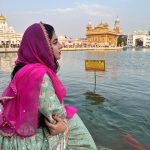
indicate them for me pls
(20, 114)
(70, 111)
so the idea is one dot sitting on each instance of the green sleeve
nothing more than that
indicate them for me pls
(48, 102)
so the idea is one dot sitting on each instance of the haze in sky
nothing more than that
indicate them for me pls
(70, 17)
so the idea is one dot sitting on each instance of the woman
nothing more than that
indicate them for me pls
(34, 116)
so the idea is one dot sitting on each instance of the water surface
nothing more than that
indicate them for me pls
(120, 103)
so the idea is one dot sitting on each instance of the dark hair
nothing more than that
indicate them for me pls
(16, 68)
(50, 31)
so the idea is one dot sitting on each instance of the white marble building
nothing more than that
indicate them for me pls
(8, 37)
(139, 39)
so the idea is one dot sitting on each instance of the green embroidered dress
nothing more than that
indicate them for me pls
(78, 137)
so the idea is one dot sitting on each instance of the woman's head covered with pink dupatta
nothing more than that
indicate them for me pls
(35, 46)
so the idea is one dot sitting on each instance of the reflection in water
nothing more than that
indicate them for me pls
(129, 139)
(95, 99)
(7, 61)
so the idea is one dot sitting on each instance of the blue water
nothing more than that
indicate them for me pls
(119, 104)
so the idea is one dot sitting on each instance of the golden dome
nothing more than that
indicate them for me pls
(2, 17)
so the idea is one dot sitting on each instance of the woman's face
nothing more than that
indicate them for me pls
(56, 46)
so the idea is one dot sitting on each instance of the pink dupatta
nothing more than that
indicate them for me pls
(20, 99)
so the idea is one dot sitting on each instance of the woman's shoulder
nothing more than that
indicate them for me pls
(46, 81)
(46, 77)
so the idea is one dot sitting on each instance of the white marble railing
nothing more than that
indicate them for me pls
(8, 49)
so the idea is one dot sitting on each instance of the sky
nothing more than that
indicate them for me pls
(70, 17)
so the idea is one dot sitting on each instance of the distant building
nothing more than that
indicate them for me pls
(8, 36)
(139, 39)
(117, 26)
(68, 42)
(102, 34)
(130, 40)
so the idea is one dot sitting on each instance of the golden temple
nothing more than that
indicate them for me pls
(102, 34)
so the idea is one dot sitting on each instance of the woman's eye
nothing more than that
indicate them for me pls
(55, 42)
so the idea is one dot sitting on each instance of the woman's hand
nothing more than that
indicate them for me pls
(59, 127)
